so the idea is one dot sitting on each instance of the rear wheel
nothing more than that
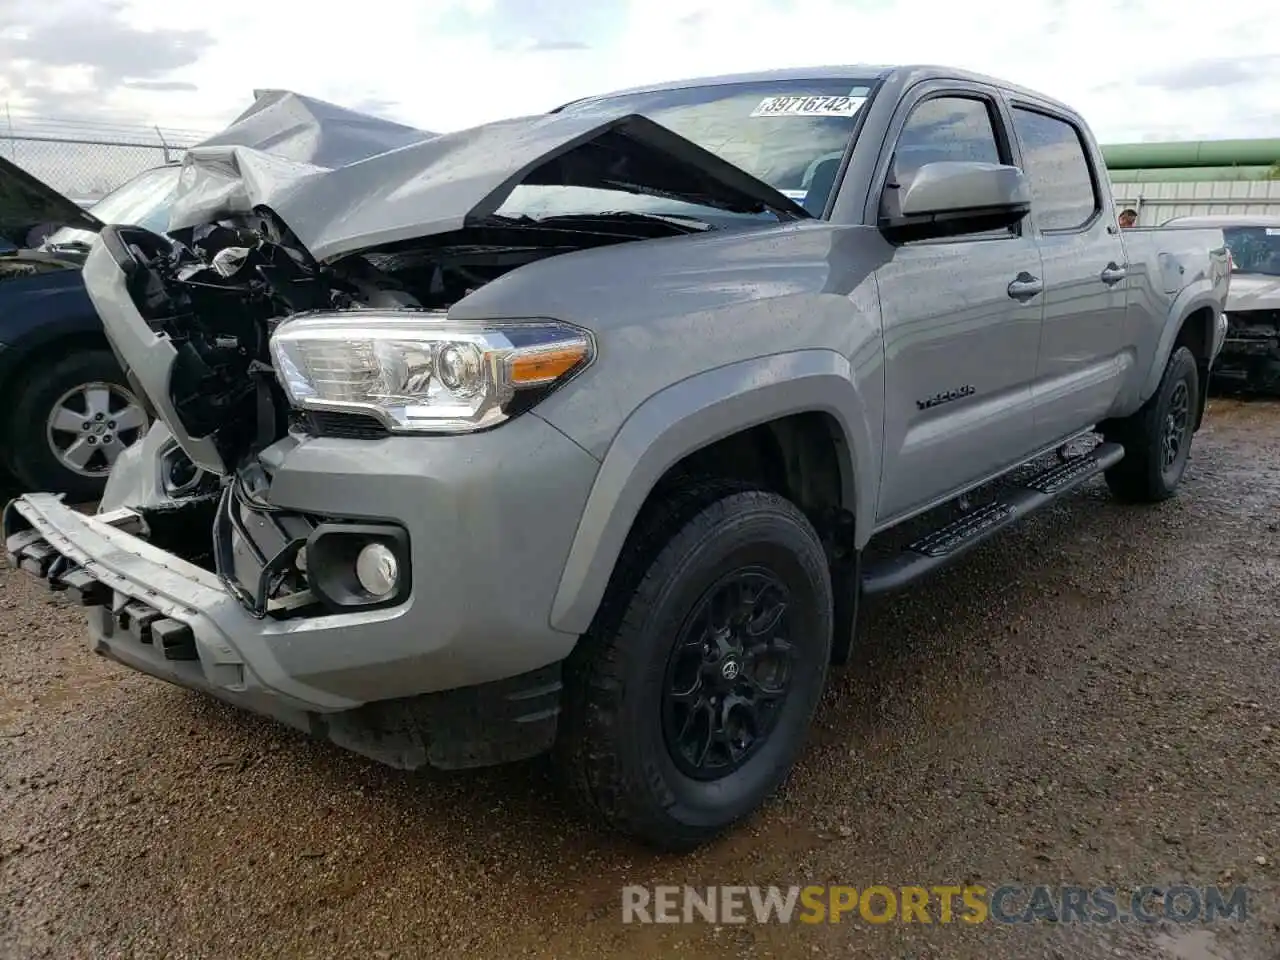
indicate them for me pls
(1157, 439)
(72, 419)
(688, 701)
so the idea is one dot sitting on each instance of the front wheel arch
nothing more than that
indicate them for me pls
(690, 416)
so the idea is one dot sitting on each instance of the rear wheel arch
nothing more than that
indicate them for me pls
(1196, 311)
(1196, 333)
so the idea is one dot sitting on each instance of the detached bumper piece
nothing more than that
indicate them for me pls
(30, 552)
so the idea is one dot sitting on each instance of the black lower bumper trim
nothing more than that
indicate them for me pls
(84, 589)
(498, 722)
(174, 639)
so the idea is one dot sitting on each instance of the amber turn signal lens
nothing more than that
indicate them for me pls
(546, 366)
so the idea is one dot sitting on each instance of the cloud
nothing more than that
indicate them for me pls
(56, 51)
(162, 86)
(375, 106)
(552, 46)
(453, 63)
(1215, 73)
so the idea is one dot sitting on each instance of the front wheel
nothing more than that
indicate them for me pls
(688, 700)
(1157, 439)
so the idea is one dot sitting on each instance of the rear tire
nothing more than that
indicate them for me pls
(689, 699)
(1157, 438)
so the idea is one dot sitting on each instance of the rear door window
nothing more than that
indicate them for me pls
(1057, 166)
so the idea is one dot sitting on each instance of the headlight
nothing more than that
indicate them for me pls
(419, 372)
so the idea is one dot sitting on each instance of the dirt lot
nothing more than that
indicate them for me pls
(1094, 699)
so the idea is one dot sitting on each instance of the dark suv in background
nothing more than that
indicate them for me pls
(66, 409)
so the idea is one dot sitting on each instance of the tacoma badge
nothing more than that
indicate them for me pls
(946, 397)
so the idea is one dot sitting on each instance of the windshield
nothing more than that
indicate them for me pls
(140, 202)
(791, 134)
(1254, 249)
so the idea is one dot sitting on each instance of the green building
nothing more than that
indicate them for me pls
(1164, 180)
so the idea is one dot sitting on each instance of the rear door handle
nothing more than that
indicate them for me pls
(1113, 273)
(1025, 286)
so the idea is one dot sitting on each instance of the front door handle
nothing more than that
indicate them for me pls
(1113, 273)
(1024, 286)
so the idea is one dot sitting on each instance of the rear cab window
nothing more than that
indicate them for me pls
(1064, 193)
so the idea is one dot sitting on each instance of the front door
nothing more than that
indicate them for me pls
(962, 323)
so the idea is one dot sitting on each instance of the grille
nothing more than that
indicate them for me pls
(1253, 323)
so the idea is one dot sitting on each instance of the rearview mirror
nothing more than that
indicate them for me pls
(953, 198)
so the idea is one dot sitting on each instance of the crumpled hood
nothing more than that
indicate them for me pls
(1253, 291)
(439, 184)
(281, 138)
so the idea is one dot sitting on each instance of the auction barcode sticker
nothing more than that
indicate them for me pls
(813, 106)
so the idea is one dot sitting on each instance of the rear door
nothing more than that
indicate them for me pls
(961, 318)
(1085, 349)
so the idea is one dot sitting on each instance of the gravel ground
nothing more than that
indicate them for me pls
(1091, 700)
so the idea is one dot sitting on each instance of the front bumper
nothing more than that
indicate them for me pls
(1220, 327)
(490, 519)
(1250, 357)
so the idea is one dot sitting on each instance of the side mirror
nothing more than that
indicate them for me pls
(954, 198)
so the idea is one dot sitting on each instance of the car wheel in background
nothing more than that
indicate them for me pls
(70, 422)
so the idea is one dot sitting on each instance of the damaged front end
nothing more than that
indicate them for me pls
(323, 525)
(314, 303)
(1250, 357)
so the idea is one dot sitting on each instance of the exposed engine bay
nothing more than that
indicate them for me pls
(218, 292)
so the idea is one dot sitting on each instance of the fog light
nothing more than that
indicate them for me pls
(377, 570)
(352, 566)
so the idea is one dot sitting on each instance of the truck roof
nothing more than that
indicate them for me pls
(902, 75)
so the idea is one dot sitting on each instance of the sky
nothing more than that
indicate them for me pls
(1136, 69)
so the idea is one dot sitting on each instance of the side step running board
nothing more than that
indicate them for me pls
(935, 550)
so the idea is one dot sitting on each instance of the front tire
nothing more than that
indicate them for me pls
(688, 701)
(1157, 438)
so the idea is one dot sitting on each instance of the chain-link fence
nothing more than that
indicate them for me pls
(85, 160)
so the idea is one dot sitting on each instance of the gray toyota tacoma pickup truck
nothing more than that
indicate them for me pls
(569, 433)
